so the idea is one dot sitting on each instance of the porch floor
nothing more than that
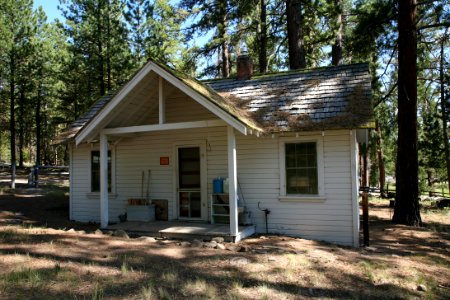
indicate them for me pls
(184, 230)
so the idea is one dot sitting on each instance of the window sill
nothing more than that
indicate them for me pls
(307, 199)
(96, 195)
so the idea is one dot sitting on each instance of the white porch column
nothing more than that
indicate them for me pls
(232, 177)
(161, 101)
(104, 218)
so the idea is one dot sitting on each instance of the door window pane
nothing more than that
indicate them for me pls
(189, 168)
(189, 181)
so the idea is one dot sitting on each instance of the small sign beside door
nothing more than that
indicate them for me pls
(164, 161)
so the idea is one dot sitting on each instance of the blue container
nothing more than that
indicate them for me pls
(218, 186)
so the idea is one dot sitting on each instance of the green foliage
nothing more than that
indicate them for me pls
(99, 47)
(60, 69)
(165, 39)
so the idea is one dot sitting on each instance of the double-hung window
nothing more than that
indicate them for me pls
(95, 171)
(301, 168)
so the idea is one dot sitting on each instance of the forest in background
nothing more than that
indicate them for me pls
(52, 72)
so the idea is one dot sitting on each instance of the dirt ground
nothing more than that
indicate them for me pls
(45, 256)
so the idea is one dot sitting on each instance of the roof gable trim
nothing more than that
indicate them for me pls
(225, 116)
(95, 125)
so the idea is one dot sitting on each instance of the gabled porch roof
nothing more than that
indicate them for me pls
(128, 101)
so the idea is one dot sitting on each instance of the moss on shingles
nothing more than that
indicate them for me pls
(358, 112)
(224, 102)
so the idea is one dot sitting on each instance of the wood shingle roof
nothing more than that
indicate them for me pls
(325, 98)
(313, 99)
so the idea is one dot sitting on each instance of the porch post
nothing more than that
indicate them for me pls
(232, 177)
(104, 218)
(161, 101)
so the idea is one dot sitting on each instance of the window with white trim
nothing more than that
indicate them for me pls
(301, 168)
(95, 171)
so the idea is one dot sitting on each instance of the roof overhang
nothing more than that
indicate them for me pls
(98, 123)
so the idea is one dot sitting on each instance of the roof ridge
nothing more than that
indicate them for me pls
(291, 72)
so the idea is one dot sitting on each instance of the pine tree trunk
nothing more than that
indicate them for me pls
(225, 60)
(380, 156)
(297, 59)
(108, 46)
(336, 49)
(38, 127)
(21, 126)
(222, 29)
(262, 55)
(407, 190)
(101, 67)
(12, 125)
(443, 110)
(139, 40)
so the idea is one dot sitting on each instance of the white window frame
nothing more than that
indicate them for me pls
(112, 193)
(284, 197)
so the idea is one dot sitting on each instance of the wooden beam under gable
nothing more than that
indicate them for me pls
(163, 127)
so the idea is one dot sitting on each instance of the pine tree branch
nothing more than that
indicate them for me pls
(427, 2)
(444, 24)
(387, 95)
(389, 62)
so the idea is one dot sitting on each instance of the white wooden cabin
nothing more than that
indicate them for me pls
(287, 142)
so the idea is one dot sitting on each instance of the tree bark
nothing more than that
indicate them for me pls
(222, 29)
(225, 60)
(108, 46)
(365, 195)
(21, 125)
(12, 123)
(101, 67)
(443, 109)
(38, 126)
(262, 55)
(336, 48)
(380, 156)
(406, 209)
(297, 58)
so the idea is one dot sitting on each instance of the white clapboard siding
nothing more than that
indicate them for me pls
(258, 175)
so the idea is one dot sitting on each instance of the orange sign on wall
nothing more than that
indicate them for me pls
(164, 161)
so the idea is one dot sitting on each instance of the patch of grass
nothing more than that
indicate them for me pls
(125, 268)
(236, 291)
(266, 292)
(33, 277)
(429, 282)
(171, 277)
(147, 292)
(368, 270)
(433, 259)
(164, 294)
(377, 273)
(98, 293)
(57, 193)
(199, 288)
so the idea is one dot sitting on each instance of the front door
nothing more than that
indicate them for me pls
(189, 183)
